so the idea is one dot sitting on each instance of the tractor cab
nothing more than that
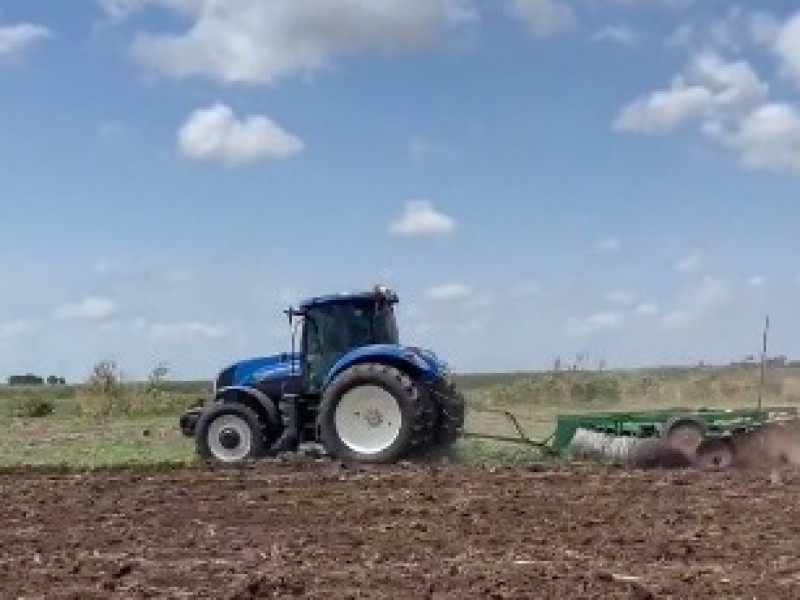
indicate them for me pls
(333, 326)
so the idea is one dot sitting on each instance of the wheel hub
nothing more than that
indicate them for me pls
(229, 438)
(373, 417)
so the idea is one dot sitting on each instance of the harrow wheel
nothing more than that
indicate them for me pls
(685, 435)
(372, 413)
(715, 453)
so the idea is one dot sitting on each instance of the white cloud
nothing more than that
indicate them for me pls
(668, 4)
(711, 89)
(682, 36)
(112, 130)
(617, 34)
(525, 289)
(420, 218)
(92, 308)
(178, 276)
(727, 100)
(18, 328)
(478, 302)
(787, 45)
(255, 41)
(664, 110)
(621, 298)
(544, 17)
(767, 138)
(419, 148)
(595, 323)
(120, 9)
(696, 302)
(762, 28)
(185, 331)
(756, 281)
(741, 27)
(215, 133)
(738, 29)
(607, 246)
(18, 38)
(711, 293)
(647, 309)
(691, 263)
(450, 292)
(675, 318)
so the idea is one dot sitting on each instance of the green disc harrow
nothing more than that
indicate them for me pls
(714, 438)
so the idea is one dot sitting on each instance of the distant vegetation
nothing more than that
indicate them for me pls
(658, 387)
(31, 379)
(108, 419)
(104, 394)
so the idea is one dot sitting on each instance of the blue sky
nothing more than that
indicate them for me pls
(612, 179)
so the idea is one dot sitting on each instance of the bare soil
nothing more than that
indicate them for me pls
(312, 529)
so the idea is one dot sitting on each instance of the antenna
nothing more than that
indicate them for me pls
(763, 363)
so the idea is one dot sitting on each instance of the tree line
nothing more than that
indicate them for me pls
(31, 379)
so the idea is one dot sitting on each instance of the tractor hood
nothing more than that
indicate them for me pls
(253, 370)
(280, 366)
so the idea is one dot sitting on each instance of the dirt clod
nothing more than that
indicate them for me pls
(306, 530)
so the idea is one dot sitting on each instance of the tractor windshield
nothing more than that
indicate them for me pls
(335, 328)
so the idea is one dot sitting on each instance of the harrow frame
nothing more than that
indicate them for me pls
(650, 425)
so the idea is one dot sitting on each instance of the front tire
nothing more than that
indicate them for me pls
(368, 414)
(230, 432)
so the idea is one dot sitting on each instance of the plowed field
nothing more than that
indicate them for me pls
(319, 530)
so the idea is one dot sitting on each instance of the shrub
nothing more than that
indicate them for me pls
(596, 389)
(31, 407)
(104, 395)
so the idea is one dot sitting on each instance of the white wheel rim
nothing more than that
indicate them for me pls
(368, 419)
(233, 423)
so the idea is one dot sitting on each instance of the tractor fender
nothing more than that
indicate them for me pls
(405, 359)
(227, 394)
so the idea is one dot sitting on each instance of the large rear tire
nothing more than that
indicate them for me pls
(373, 413)
(230, 432)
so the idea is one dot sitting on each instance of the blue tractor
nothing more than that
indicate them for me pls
(351, 388)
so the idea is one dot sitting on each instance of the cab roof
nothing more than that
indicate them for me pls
(346, 297)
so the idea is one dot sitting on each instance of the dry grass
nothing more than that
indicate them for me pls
(139, 422)
(537, 399)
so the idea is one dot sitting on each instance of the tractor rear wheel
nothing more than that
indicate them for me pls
(230, 432)
(372, 413)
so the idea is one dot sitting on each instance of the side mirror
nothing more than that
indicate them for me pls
(292, 313)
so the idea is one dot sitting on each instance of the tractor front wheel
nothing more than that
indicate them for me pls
(369, 414)
(230, 432)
